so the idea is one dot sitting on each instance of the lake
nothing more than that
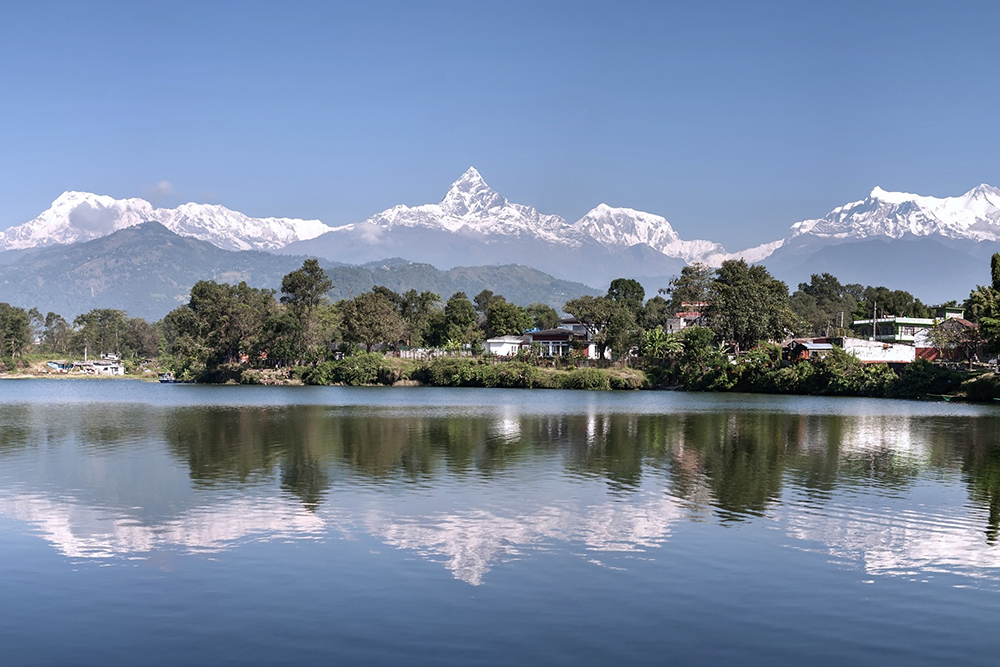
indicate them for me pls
(148, 524)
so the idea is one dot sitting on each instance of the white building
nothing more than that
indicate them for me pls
(873, 351)
(506, 346)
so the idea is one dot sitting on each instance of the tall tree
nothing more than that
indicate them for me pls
(506, 319)
(15, 331)
(460, 320)
(897, 303)
(543, 316)
(56, 334)
(372, 319)
(748, 305)
(983, 306)
(227, 321)
(303, 291)
(483, 301)
(693, 285)
(417, 308)
(100, 331)
(824, 304)
(628, 293)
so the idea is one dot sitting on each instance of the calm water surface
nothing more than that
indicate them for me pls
(147, 524)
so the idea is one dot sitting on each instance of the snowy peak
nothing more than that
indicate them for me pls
(470, 207)
(974, 215)
(83, 216)
(626, 227)
(470, 195)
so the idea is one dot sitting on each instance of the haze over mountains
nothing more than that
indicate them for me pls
(937, 248)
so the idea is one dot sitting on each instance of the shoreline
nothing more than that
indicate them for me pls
(411, 384)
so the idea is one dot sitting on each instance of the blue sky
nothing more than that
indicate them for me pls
(732, 120)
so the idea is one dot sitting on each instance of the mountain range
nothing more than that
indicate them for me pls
(147, 270)
(933, 247)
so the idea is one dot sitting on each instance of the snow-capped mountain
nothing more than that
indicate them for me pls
(974, 216)
(472, 207)
(626, 227)
(82, 216)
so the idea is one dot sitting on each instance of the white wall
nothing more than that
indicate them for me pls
(870, 350)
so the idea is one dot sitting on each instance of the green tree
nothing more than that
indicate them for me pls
(371, 319)
(417, 309)
(504, 318)
(983, 306)
(303, 291)
(825, 305)
(693, 285)
(656, 312)
(543, 316)
(620, 333)
(628, 293)
(220, 323)
(484, 300)
(56, 334)
(594, 312)
(457, 323)
(140, 339)
(100, 331)
(747, 305)
(889, 302)
(15, 331)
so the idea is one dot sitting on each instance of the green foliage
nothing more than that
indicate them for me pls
(921, 377)
(587, 378)
(355, 370)
(15, 331)
(456, 324)
(504, 318)
(747, 305)
(701, 365)
(823, 303)
(371, 319)
(629, 293)
(656, 313)
(843, 374)
(251, 376)
(303, 291)
(693, 285)
(984, 388)
(543, 316)
(56, 334)
(889, 302)
(99, 331)
(465, 372)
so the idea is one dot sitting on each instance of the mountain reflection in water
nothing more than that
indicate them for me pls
(474, 488)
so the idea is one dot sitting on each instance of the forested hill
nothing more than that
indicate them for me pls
(147, 270)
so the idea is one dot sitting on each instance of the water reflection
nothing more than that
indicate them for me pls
(471, 490)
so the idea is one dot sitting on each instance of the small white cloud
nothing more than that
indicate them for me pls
(163, 189)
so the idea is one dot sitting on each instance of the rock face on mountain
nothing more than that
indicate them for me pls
(147, 270)
(82, 216)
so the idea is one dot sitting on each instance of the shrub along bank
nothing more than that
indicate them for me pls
(699, 366)
(373, 368)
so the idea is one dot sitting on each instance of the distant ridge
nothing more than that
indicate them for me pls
(147, 270)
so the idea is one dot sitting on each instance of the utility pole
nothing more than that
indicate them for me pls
(874, 320)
